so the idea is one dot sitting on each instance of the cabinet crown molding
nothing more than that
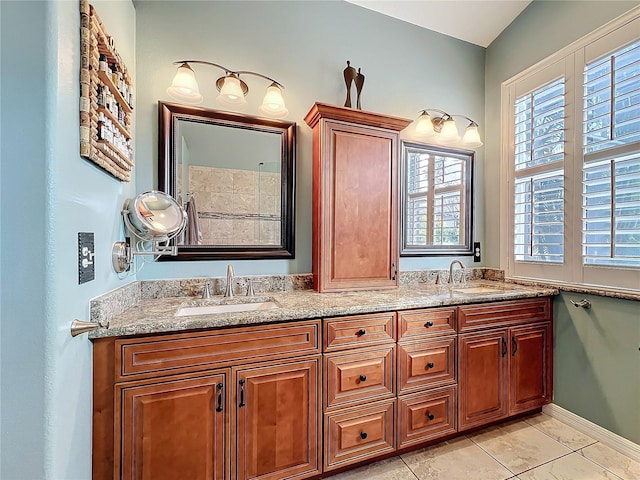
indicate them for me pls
(333, 112)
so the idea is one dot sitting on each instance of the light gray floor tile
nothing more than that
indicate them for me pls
(391, 469)
(519, 446)
(560, 432)
(613, 461)
(459, 459)
(570, 467)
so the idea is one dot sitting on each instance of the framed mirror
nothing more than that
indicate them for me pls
(235, 175)
(437, 200)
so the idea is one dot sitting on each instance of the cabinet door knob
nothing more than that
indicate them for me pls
(363, 435)
(361, 332)
(429, 324)
(363, 378)
(430, 416)
(504, 347)
(430, 365)
(515, 346)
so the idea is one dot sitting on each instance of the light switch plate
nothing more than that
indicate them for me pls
(86, 262)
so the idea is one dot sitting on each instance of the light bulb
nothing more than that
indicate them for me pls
(273, 103)
(231, 92)
(449, 133)
(424, 126)
(471, 138)
(184, 87)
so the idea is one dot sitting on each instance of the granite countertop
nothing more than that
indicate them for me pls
(158, 315)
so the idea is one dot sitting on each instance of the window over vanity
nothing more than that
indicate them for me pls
(572, 161)
(437, 200)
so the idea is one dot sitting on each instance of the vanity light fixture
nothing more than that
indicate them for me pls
(232, 88)
(443, 130)
(152, 219)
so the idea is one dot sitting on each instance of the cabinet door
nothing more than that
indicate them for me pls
(358, 228)
(277, 420)
(174, 430)
(482, 377)
(530, 368)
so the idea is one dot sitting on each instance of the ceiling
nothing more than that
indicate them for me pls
(456, 18)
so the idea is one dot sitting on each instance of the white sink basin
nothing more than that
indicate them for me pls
(475, 290)
(228, 308)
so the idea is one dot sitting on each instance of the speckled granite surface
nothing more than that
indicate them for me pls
(155, 312)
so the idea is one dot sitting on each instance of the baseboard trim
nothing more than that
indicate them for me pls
(615, 441)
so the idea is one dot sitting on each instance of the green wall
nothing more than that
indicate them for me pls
(597, 362)
(304, 45)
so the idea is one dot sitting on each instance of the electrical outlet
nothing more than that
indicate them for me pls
(476, 252)
(86, 262)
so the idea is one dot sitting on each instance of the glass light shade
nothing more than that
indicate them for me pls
(231, 92)
(471, 138)
(424, 126)
(449, 133)
(273, 103)
(184, 87)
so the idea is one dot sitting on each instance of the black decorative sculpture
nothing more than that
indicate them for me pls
(359, 84)
(349, 76)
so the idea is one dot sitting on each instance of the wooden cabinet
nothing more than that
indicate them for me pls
(174, 429)
(355, 198)
(359, 388)
(504, 371)
(239, 403)
(294, 400)
(427, 346)
(277, 420)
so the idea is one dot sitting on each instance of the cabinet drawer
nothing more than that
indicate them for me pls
(361, 330)
(426, 416)
(187, 352)
(365, 375)
(426, 364)
(475, 317)
(357, 434)
(416, 324)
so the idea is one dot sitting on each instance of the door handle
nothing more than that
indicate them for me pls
(242, 394)
(515, 346)
(220, 388)
(504, 347)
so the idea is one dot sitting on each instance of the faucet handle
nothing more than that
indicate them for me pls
(250, 291)
(206, 290)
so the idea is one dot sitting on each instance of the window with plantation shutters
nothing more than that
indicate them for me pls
(611, 171)
(571, 161)
(539, 127)
(437, 200)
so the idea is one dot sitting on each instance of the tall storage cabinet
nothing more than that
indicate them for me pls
(355, 198)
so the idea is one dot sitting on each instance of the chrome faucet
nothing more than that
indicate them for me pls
(229, 290)
(451, 280)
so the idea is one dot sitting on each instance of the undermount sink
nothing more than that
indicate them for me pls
(225, 308)
(475, 290)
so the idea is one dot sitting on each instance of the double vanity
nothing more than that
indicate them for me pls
(307, 384)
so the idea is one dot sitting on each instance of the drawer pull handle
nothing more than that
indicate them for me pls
(363, 378)
(363, 435)
(430, 416)
(429, 324)
(242, 402)
(430, 365)
(220, 388)
(361, 332)
(504, 347)
(515, 346)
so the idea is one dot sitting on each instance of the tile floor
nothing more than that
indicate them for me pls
(535, 448)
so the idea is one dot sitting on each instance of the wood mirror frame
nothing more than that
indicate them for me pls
(168, 116)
